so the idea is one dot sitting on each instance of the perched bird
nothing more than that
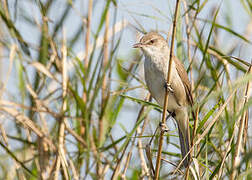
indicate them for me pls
(156, 52)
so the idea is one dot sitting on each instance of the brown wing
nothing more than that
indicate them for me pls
(183, 75)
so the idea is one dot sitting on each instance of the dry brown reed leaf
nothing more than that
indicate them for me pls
(27, 123)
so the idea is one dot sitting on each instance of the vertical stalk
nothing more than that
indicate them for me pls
(89, 17)
(104, 82)
(61, 152)
(188, 33)
(90, 8)
(239, 144)
(104, 92)
(161, 138)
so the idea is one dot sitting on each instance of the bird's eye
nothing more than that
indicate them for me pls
(152, 41)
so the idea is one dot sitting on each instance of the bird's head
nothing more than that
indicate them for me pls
(151, 44)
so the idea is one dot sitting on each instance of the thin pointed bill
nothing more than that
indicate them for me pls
(137, 45)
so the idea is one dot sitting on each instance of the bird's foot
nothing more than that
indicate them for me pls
(168, 87)
(163, 127)
(171, 114)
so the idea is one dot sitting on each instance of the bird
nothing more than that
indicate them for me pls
(156, 52)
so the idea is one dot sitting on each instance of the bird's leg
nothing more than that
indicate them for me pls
(168, 87)
(163, 126)
(153, 136)
(171, 114)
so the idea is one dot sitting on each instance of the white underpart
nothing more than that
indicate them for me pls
(155, 76)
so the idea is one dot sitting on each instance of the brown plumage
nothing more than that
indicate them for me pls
(156, 51)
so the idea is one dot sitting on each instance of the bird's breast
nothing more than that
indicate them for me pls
(155, 77)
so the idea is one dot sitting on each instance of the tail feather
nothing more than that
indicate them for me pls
(185, 147)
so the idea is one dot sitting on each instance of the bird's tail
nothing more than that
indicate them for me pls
(184, 146)
(184, 134)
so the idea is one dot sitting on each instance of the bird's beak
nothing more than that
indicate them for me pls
(137, 45)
